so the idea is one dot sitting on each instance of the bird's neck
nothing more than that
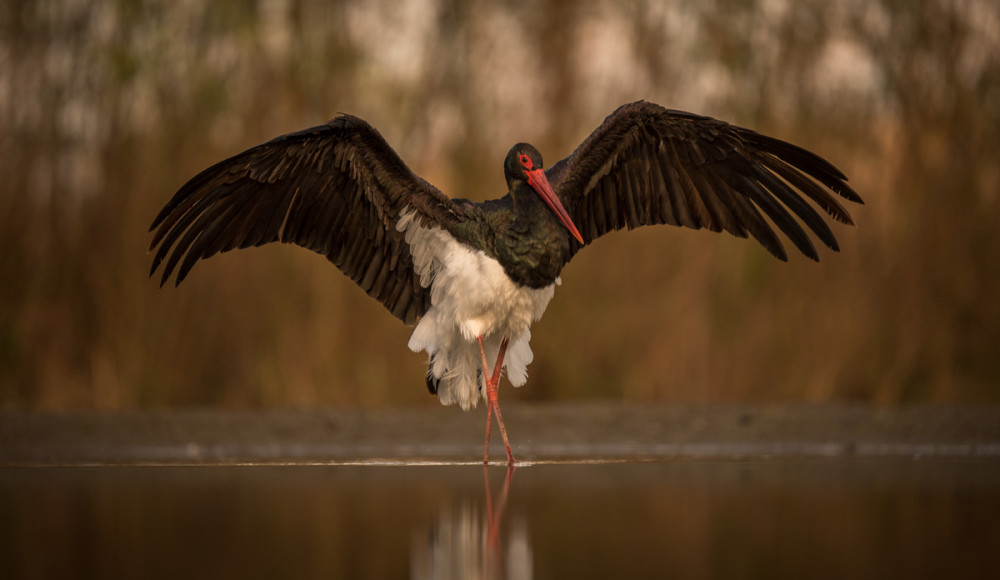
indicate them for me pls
(534, 246)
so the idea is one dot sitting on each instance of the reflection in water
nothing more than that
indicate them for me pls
(795, 518)
(468, 542)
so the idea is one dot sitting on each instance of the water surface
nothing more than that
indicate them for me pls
(720, 518)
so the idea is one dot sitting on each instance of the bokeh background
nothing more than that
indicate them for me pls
(106, 108)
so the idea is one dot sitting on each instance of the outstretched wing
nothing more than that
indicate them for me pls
(337, 189)
(648, 165)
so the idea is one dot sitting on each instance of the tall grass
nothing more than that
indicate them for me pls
(105, 112)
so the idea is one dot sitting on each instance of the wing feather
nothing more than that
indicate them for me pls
(648, 165)
(337, 189)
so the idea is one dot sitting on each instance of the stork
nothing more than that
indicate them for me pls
(472, 277)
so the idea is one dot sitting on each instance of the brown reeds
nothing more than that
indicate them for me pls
(105, 112)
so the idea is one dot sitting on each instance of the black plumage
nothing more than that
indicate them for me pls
(647, 165)
(339, 189)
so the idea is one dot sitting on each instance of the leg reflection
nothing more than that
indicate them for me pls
(466, 544)
(493, 562)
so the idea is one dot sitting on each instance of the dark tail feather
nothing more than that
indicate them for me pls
(432, 381)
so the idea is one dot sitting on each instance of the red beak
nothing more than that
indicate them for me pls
(540, 183)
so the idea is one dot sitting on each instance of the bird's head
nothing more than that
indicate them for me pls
(524, 163)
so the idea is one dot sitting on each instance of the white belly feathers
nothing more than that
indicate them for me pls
(471, 296)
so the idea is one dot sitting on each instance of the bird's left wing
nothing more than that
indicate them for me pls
(649, 165)
(337, 189)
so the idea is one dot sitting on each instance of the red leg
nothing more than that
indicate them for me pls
(489, 423)
(496, 367)
(492, 382)
(489, 407)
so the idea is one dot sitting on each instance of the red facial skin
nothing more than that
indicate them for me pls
(540, 183)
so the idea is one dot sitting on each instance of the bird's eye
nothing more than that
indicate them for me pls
(526, 161)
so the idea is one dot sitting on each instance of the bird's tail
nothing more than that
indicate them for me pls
(456, 375)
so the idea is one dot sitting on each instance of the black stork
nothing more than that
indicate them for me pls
(473, 276)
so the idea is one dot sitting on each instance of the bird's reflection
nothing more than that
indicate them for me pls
(466, 543)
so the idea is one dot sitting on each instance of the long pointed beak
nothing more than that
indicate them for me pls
(540, 183)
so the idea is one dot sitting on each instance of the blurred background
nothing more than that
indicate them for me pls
(107, 108)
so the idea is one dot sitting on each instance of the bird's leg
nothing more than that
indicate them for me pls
(489, 407)
(492, 382)
(495, 401)
(494, 398)
(496, 367)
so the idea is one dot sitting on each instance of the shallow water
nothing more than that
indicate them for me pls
(751, 517)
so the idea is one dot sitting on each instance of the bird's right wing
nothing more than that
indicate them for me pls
(337, 189)
(648, 165)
